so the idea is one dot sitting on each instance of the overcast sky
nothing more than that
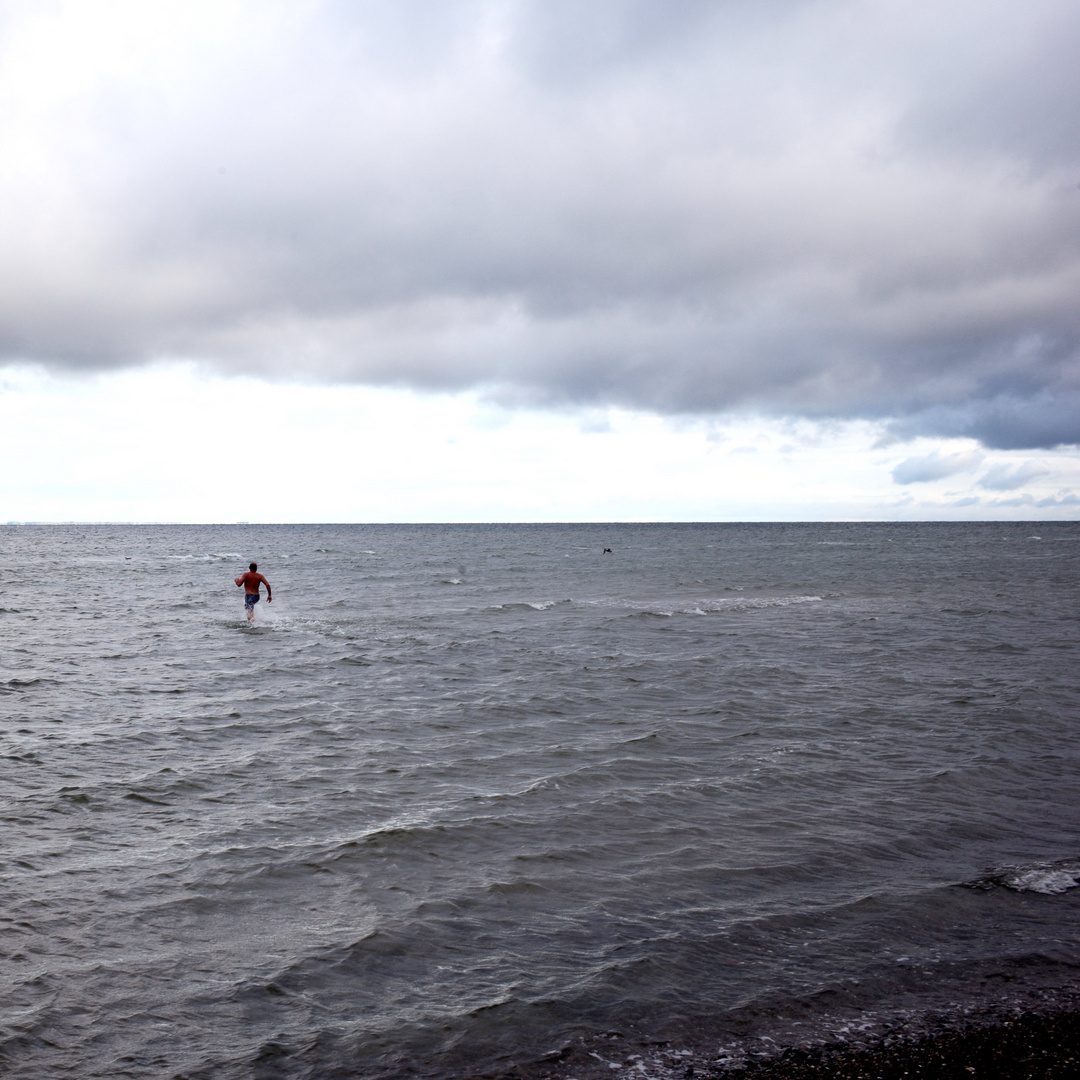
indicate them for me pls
(634, 232)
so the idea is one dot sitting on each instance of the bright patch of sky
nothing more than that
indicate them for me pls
(176, 443)
(540, 259)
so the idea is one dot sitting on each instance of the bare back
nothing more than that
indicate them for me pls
(251, 582)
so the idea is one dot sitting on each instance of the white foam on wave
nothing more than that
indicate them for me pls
(535, 605)
(209, 558)
(739, 603)
(1045, 880)
(708, 606)
(743, 603)
(1048, 882)
(1049, 879)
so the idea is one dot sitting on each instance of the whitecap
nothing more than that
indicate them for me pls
(1045, 880)
(1049, 879)
(747, 603)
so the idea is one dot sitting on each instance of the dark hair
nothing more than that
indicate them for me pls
(254, 566)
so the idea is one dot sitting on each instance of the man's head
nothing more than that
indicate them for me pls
(253, 567)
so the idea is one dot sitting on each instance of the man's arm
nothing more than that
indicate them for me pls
(239, 580)
(269, 595)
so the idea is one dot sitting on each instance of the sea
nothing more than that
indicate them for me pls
(472, 800)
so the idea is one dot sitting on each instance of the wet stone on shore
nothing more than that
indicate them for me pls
(1024, 1046)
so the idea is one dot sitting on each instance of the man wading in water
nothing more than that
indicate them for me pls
(251, 581)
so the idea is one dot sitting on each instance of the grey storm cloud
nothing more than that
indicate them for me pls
(820, 208)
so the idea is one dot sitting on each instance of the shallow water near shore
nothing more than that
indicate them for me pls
(463, 795)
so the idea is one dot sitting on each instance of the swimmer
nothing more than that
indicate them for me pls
(251, 581)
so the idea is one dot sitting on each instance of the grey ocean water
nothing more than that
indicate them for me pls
(465, 794)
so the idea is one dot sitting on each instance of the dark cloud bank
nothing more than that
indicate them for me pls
(829, 209)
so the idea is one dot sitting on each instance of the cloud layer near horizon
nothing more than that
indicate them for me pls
(822, 208)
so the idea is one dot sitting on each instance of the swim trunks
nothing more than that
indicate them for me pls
(251, 599)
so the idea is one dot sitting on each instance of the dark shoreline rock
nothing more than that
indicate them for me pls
(1030, 1047)
(1023, 1045)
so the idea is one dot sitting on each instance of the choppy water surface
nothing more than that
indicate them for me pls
(464, 794)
